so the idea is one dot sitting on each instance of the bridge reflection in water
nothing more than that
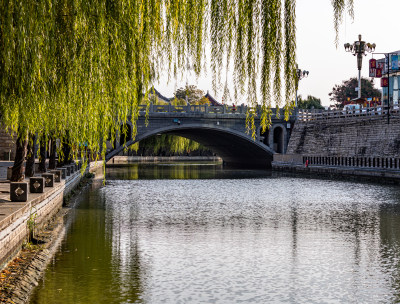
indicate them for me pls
(227, 238)
(221, 129)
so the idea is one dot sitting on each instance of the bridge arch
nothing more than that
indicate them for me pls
(234, 147)
(277, 138)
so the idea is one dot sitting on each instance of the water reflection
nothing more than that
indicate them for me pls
(199, 234)
(88, 268)
(183, 170)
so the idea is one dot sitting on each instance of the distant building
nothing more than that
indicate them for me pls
(212, 100)
(162, 98)
(390, 88)
(159, 96)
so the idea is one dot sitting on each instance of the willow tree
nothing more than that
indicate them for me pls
(80, 67)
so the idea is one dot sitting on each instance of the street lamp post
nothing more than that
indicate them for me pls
(299, 76)
(359, 48)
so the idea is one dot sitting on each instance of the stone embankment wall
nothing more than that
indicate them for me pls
(40, 208)
(370, 136)
(7, 145)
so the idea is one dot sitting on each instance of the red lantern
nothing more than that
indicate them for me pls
(378, 72)
(372, 63)
(384, 82)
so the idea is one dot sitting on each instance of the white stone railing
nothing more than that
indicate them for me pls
(315, 115)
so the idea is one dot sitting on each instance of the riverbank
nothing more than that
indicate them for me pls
(335, 171)
(123, 160)
(28, 260)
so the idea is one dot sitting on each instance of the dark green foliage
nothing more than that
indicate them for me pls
(341, 93)
(310, 103)
(192, 93)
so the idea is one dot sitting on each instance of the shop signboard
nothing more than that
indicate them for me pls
(395, 62)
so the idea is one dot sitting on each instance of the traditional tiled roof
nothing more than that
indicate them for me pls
(212, 100)
(160, 96)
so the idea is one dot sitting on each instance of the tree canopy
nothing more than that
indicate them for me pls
(341, 93)
(77, 69)
(192, 93)
(310, 102)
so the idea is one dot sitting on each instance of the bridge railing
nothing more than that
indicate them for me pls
(315, 115)
(302, 115)
(223, 109)
(353, 161)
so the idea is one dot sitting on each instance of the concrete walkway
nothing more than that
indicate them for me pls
(14, 213)
(6, 207)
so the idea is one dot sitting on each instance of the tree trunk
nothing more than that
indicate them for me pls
(52, 159)
(67, 151)
(42, 156)
(68, 156)
(17, 169)
(30, 161)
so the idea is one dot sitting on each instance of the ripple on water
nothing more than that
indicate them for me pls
(258, 240)
(273, 239)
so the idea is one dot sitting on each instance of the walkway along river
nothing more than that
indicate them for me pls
(188, 233)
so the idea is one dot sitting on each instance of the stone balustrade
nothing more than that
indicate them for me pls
(354, 161)
(206, 109)
(318, 115)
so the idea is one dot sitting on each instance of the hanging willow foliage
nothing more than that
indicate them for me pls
(170, 144)
(76, 69)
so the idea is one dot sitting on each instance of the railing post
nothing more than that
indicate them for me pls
(151, 107)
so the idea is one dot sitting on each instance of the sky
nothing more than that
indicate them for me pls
(375, 20)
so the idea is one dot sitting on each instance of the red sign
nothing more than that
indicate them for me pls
(372, 63)
(378, 72)
(384, 82)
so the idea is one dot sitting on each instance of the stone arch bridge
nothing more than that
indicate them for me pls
(221, 129)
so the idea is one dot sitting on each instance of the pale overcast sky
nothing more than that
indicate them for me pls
(375, 20)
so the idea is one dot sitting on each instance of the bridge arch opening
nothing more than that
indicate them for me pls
(278, 139)
(236, 148)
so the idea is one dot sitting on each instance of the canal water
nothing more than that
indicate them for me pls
(189, 233)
